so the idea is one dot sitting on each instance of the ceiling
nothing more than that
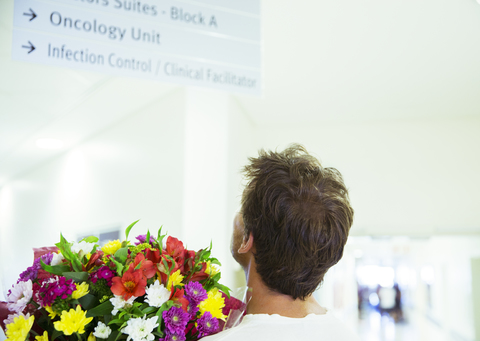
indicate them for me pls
(323, 61)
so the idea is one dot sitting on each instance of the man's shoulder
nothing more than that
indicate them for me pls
(261, 327)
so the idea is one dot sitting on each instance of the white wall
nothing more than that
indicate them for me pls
(173, 163)
(133, 170)
(215, 131)
(451, 292)
(411, 177)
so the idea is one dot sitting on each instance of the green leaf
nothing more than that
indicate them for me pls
(119, 266)
(216, 277)
(113, 335)
(116, 321)
(165, 264)
(64, 247)
(206, 255)
(223, 288)
(158, 335)
(202, 255)
(137, 312)
(127, 231)
(148, 310)
(167, 305)
(173, 263)
(55, 334)
(55, 269)
(215, 261)
(160, 239)
(100, 310)
(121, 254)
(88, 301)
(147, 240)
(77, 277)
(91, 239)
(160, 319)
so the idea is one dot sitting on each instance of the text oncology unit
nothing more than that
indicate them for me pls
(208, 43)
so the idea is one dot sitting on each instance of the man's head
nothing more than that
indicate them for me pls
(299, 216)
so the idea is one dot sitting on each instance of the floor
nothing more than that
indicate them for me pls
(375, 327)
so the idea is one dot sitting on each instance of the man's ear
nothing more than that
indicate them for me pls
(247, 244)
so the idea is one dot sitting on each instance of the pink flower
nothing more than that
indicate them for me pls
(20, 296)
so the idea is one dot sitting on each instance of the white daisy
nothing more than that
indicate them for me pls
(82, 248)
(157, 294)
(102, 331)
(119, 303)
(140, 329)
(57, 259)
(20, 296)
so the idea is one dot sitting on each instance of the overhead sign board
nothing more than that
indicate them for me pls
(208, 43)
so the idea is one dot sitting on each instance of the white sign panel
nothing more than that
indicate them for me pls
(203, 43)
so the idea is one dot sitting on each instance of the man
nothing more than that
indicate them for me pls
(292, 227)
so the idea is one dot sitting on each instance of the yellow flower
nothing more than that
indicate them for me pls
(214, 304)
(50, 311)
(91, 337)
(111, 247)
(175, 279)
(81, 291)
(20, 327)
(43, 337)
(72, 321)
(211, 269)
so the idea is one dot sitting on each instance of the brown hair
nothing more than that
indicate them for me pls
(299, 215)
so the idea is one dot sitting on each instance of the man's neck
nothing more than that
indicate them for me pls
(266, 301)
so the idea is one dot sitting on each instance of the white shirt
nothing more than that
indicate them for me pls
(275, 327)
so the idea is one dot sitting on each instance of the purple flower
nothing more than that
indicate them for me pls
(173, 336)
(207, 324)
(103, 272)
(57, 287)
(32, 271)
(65, 287)
(192, 309)
(143, 239)
(195, 293)
(176, 320)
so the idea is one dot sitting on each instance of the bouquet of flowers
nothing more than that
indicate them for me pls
(143, 291)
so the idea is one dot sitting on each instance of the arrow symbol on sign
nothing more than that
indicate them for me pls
(31, 47)
(31, 14)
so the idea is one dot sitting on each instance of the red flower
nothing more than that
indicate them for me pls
(95, 260)
(174, 248)
(189, 260)
(178, 297)
(132, 283)
(200, 275)
(145, 266)
(153, 256)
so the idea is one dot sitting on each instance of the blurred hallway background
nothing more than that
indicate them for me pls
(407, 288)
(386, 92)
